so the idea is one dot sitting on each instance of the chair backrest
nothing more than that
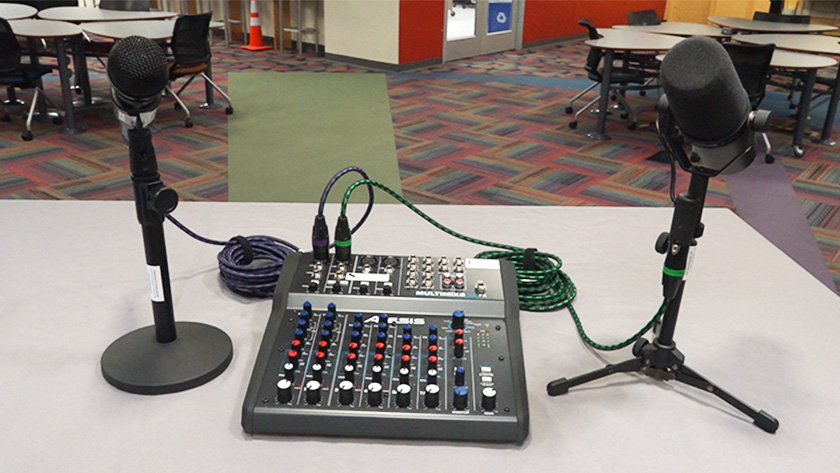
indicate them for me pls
(125, 5)
(779, 18)
(643, 17)
(752, 63)
(762, 16)
(190, 44)
(9, 52)
(593, 59)
(590, 28)
(5, 27)
(41, 4)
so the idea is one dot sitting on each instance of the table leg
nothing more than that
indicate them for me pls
(33, 59)
(832, 111)
(802, 112)
(598, 134)
(66, 94)
(82, 75)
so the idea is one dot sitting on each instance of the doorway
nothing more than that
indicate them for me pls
(476, 27)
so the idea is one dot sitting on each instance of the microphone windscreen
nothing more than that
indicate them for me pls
(137, 68)
(703, 89)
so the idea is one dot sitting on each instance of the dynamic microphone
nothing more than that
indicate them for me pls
(710, 106)
(138, 73)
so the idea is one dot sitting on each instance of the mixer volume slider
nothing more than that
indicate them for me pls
(420, 361)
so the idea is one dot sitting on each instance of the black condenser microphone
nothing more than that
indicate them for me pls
(138, 73)
(710, 106)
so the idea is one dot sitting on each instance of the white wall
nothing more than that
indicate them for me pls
(363, 29)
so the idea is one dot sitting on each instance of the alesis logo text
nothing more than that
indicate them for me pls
(374, 319)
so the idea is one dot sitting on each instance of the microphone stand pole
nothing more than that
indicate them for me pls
(660, 359)
(168, 356)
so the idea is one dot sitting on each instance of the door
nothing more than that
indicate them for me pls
(476, 27)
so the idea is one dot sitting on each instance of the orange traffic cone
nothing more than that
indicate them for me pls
(256, 31)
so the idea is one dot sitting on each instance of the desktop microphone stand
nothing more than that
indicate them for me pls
(660, 359)
(168, 356)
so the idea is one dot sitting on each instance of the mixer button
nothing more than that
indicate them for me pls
(345, 392)
(488, 399)
(458, 319)
(460, 374)
(460, 400)
(432, 397)
(284, 391)
(374, 394)
(403, 395)
(313, 391)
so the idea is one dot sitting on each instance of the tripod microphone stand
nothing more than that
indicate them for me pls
(660, 358)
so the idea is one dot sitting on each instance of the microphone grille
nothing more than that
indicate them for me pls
(137, 67)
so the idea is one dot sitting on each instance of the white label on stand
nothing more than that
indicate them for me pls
(690, 261)
(155, 283)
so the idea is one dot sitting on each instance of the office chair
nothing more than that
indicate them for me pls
(620, 81)
(191, 57)
(752, 63)
(22, 76)
(125, 5)
(643, 18)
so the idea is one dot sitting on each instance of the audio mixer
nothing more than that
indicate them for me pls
(391, 347)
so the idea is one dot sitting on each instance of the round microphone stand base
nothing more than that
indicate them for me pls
(139, 364)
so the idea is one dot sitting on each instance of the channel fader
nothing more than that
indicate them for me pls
(392, 347)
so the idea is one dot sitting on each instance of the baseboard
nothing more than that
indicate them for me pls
(383, 66)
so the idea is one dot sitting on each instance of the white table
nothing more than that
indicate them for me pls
(622, 40)
(16, 11)
(817, 44)
(752, 320)
(677, 28)
(87, 14)
(758, 26)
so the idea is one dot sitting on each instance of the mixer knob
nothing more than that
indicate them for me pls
(307, 306)
(293, 356)
(460, 374)
(383, 327)
(432, 398)
(300, 334)
(480, 287)
(460, 400)
(431, 376)
(433, 359)
(405, 361)
(446, 282)
(374, 394)
(336, 287)
(458, 319)
(366, 268)
(376, 373)
(304, 314)
(407, 338)
(407, 330)
(403, 395)
(331, 307)
(387, 288)
(313, 391)
(459, 348)
(364, 288)
(289, 370)
(355, 336)
(302, 324)
(404, 373)
(433, 340)
(488, 399)
(345, 392)
(317, 371)
(432, 330)
(380, 345)
(349, 371)
(428, 283)
(313, 285)
(459, 283)
(284, 391)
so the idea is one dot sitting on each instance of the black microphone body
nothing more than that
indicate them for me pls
(709, 104)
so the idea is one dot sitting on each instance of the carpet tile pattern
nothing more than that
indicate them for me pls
(459, 140)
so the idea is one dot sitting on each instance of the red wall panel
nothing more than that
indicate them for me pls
(549, 19)
(421, 30)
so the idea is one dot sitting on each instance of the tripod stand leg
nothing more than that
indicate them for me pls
(763, 420)
(562, 385)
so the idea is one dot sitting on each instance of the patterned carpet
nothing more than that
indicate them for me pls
(488, 130)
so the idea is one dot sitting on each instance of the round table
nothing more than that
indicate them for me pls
(16, 11)
(676, 28)
(622, 40)
(85, 14)
(744, 24)
(816, 44)
(156, 30)
(58, 31)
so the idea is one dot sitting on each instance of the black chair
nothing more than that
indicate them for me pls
(21, 76)
(752, 63)
(191, 56)
(643, 18)
(125, 5)
(621, 80)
